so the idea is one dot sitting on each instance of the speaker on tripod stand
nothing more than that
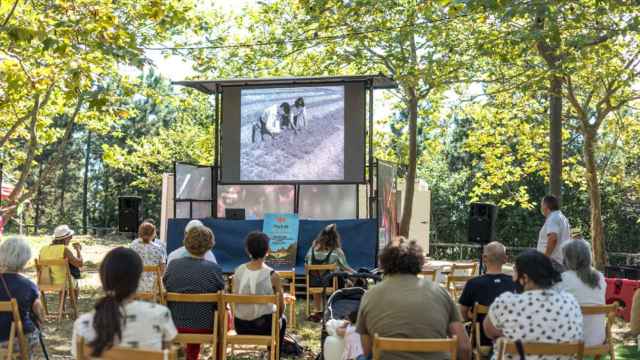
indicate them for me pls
(482, 225)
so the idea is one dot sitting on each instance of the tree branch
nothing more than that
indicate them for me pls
(36, 106)
(13, 9)
(31, 152)
(384, 59)
(47, 171)
(571, 95)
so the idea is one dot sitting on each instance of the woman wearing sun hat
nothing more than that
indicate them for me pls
(59, 249)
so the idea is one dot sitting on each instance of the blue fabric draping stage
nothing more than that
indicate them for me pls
(359, 239)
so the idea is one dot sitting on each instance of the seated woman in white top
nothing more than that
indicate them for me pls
(256, 278)
(118, 320)
(587, 285)
(540, 313)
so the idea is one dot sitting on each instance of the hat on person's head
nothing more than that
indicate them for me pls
(62, 232)
(193, 224)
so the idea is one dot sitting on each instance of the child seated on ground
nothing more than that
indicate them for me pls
(343, 342)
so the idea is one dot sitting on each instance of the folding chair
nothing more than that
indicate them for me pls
(455, 284)
(429, 274)
(203, 339)
(381, 344)
(575, 349)
(156, 295)
(16, 331)
(47, 285)
(609, 311)
(470, 269)
(479, 351)
(319, 290)
(83, 352)
(271, 342)
(290, 297)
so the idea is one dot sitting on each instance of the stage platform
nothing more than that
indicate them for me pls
(359, 240)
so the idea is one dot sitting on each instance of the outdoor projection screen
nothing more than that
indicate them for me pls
(293, 134)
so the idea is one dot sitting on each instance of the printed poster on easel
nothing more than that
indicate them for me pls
(282, 229)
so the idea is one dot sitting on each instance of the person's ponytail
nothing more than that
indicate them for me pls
(107, 322)
(120, 273)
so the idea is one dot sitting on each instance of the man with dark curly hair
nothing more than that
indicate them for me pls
(406, 306)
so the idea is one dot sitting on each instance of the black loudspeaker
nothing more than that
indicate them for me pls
(482, 223)
(129, 213)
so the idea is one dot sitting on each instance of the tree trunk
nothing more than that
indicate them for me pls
(85, 184)
(555, 135)
(410, 179)
(36, 220)
(591, 173)
(63, 185)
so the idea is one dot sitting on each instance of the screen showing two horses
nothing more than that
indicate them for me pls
(291, 134)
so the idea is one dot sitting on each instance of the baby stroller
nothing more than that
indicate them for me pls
(344, 301)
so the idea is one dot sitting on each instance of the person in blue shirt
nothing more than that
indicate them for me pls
(14, 255)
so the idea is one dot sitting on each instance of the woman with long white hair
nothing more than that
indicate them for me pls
(586, 284)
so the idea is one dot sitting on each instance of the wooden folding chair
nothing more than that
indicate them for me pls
(228, 280)
(47, 285)
(429, 274)
(479, 351)
(381, 344)
(83, 352)
(156, 295)
(290, 297)
(609, 311)
(575, 349)
(16, 331)
(318, 290)
(203, 339)
(270, 341)
(470, 269)
(455, 284)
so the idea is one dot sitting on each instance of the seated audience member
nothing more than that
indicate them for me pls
(59, 249)
(326, 249)
(155, 241)
(182, 252)
(150, 253)
(587, 285)
(540, 313)
(118, 320)
(256, 278)
(14, 255)
(406, 306)
(486, 288)
(194, 275)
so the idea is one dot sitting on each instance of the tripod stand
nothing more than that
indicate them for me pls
(481, 269)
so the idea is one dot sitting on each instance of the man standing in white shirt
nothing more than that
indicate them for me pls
(555, 232)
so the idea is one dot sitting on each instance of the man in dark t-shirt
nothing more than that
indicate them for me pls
(486, 288)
